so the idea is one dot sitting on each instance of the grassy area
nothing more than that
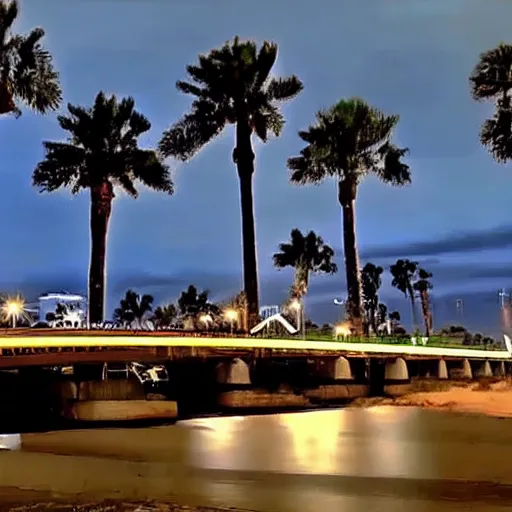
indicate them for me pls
(434, 341)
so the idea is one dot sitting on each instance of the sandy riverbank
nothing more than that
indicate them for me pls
(484, 397)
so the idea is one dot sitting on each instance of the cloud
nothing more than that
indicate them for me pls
(497, 238)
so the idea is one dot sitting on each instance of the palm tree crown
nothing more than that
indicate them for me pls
(102, 147)
(306, 254)
(348, 142)
(133, 308)
(491, 79)
(26, 68)
(232, 85)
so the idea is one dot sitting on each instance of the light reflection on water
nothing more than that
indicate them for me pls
(306, 461)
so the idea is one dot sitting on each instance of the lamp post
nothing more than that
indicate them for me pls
(232, 316)
(205, 319)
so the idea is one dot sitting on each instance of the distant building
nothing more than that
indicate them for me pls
(268, 311)
(47, 303)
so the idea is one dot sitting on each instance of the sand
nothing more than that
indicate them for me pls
(484, 397)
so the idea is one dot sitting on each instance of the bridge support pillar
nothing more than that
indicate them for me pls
(442, 370)
(499, 369)
(467, 372)
(396, 377)
(484, 370)
(337, 369)
(234, 373)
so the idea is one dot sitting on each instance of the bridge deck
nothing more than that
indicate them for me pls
(55, 347)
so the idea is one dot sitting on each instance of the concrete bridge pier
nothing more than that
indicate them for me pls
(338, 381)
(396, 377)
(460, 370)
(498, 369)
(482, 369)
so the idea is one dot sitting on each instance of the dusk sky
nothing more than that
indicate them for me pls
(407, 57)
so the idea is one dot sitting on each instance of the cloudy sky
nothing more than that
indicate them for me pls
(408, 57)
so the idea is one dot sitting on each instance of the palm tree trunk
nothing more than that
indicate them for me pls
(347, 197)
(101, 207)
(410, 290)
(243, 157)
(426, 312)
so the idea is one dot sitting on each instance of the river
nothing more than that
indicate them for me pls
(382, 459)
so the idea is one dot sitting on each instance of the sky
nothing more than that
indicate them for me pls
(407, 57)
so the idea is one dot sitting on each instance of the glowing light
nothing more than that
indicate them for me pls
(342, 330)
(116, 339)
(231, 315)
(295, 304)
(13, 308)
(205, 319)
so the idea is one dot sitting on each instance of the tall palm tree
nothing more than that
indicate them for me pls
(232, 85)
(165, 316)
(306, 254)
(404, 274)
(491, 79)
(348, 142)
(134, 309)
(371, 282)
(27, 74)
(423, 286)
(101, 153)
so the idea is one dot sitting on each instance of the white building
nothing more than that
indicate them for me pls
(47, 303)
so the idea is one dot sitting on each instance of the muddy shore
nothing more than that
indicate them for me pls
(487, 397)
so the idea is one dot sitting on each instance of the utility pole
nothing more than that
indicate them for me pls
(459, 305)
(503, 295)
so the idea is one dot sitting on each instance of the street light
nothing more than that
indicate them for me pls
(13, 308)
(205, 319)
(232, 316)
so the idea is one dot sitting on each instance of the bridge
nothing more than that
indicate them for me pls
(208, 372)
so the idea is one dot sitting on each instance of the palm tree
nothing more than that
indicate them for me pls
(371, 282)
(133, 309)
(232, 85)
(26, 68)
(491, 79)
(348, 142)
(238, 303)
(404, 274)
(101, 153)
(423, 286)
(192, 303)
(165, 316)
(307, 254)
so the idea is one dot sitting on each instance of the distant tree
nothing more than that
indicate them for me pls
(348, 142)
(66, 315)
(477, 339)
(165, 316)
(371, 281)
(394, 316)
(491, 79)
(238, 303)
(382, 313)
(423, 286)
(234, 85)
(101, 153)
(306, 254)
(192, 303)
(404, 274)
(26, 68)
(134, 309)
